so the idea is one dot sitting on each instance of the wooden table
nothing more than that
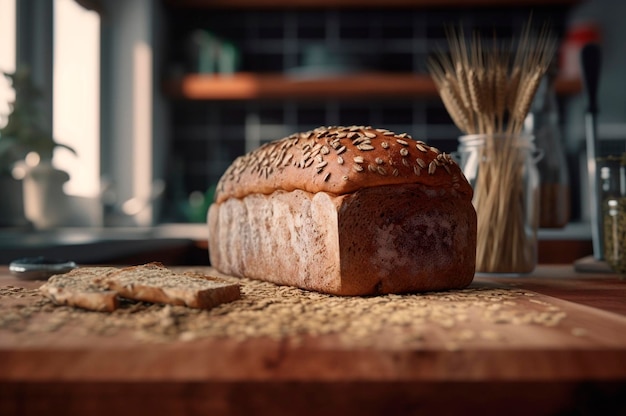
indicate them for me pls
(577, 366)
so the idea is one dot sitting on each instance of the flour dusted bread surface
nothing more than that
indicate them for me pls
(346, 210)
(79, 288)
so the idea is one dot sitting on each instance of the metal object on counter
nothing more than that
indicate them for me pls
(590, 56)
(39, 268)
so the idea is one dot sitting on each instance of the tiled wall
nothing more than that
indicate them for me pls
(208, 135)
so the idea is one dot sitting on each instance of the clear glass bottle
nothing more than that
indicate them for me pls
(543, 122)
(503, 172)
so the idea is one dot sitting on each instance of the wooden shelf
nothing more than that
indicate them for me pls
(317, 4)
(249, 86)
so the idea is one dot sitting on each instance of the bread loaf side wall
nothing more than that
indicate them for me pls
(388, 239)
(285, 237)
(406, 238)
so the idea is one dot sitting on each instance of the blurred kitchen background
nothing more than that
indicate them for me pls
(159, 97)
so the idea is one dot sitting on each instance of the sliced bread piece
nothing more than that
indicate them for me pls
(155, 283)
(79, 288)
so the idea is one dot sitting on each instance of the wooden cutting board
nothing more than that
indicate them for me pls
(493, 330)
(497, 331)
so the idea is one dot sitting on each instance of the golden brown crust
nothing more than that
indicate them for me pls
(340, 160)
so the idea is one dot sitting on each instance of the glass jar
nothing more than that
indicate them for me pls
(611, 170)
(615, 234)
(613, 196)
(503, 172)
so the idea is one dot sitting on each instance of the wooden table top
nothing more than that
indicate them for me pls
(550, 337)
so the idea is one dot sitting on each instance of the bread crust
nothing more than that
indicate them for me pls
(340, 160)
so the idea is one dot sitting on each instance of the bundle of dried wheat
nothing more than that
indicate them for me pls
(489, 91)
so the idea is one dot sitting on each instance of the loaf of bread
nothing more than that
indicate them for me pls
(346, 211)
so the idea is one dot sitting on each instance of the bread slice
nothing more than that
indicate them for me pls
(153, 282)
(79, 288)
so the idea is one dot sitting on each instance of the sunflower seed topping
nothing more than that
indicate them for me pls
(432, 166)
(311, 150)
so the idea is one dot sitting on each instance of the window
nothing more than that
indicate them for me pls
(76, 96)
(7, 55)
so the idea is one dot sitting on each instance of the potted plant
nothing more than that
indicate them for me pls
(26, 151)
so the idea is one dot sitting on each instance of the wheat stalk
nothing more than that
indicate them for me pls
(489, 92)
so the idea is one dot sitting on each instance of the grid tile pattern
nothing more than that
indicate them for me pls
(209, 135)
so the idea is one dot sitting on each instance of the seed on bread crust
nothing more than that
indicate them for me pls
(274, 164)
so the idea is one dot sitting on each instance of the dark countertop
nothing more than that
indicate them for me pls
(103, 245)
